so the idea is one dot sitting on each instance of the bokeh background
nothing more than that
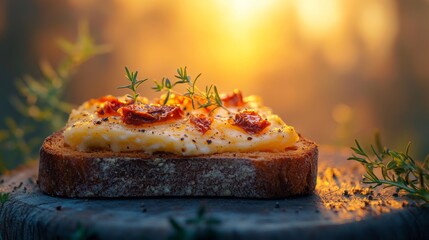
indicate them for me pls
(336, 70)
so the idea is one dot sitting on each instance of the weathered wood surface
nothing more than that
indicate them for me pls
(339, 208)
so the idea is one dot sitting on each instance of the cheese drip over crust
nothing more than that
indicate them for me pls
(195, 132)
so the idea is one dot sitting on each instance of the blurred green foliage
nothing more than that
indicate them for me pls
(201, 226)
(40, 107)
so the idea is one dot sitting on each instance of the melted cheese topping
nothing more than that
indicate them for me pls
(87, 131)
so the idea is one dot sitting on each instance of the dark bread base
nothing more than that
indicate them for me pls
(65, 172)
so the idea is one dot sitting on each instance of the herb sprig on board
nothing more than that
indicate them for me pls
(4, 197)
(398, 169)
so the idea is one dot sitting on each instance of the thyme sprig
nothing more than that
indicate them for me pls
(398, 169)
(134, 83)
(210, 97)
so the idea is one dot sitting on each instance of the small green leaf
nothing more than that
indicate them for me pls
(201, 211)
(4, 197)
(391, 165)
(168, 83)
(176, 226)
(378, 143)
(167, 97)
(426, 163)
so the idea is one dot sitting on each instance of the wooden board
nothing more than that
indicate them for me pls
(340, 208)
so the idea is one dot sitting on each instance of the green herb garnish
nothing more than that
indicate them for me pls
(134, 83)
(398, 169)
(82, 233)
(199, 99)
(4, 197)
(199, 227)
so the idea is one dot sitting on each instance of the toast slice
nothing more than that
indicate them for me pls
(66, 172)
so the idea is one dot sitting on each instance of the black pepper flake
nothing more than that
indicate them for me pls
(181, 139)
(98, 122)
(229, 142)
(183, 150)
(74, 125)
(105, 119)
(193, 140)
(209, 141)
(249, 138)
(370, 198)
(58, 208)
(142, 130)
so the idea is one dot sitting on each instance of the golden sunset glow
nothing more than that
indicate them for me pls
(319, 19)
(238, 35)
(280, 50)
(352, 65)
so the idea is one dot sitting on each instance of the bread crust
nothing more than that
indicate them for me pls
(66, 172)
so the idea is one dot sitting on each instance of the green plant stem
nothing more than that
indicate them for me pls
(398, 170)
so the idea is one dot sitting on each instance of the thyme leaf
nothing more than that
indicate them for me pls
(4, 197)
(398, 169)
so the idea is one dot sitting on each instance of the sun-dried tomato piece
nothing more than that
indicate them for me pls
(235, 99)
(109, 106)
(141, 114)
(201, 122)
(250, 121)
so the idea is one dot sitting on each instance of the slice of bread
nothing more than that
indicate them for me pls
(69, 173)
